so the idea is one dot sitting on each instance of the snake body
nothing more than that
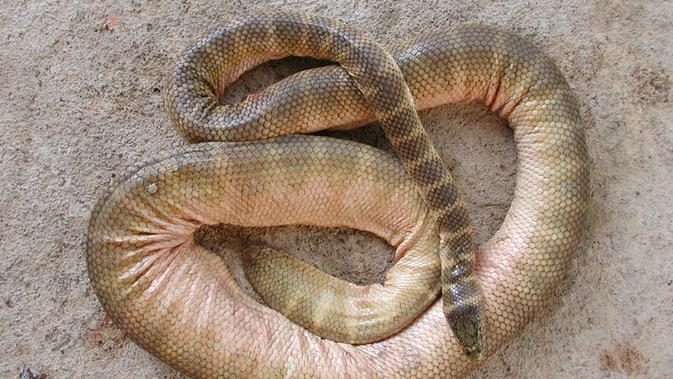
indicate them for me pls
(241, 45)
(179, 301)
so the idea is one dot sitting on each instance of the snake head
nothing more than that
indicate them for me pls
(466, 324)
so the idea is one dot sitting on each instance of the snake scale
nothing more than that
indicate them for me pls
(179, 301)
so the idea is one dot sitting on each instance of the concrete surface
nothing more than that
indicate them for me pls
(80, 98)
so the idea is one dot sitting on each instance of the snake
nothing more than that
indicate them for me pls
(179, 300)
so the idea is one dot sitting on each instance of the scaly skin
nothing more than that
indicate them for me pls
(179, 301)
(224, 54)
(220, 57)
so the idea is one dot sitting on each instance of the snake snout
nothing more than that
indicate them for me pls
(466, 324)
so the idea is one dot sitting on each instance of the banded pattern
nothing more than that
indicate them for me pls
(341, 311)
(194, 108)
(180, 302)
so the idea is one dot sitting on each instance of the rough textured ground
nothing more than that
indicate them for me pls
(80, 98)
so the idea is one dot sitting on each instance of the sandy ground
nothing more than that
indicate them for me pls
(81, 98)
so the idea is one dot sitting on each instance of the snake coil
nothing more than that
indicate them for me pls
(179, 301)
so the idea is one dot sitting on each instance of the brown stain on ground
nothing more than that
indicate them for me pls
(652, 86)
(623, 358)
(105, 335)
